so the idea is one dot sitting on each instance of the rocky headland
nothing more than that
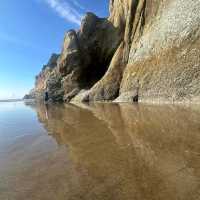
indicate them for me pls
(146, 50)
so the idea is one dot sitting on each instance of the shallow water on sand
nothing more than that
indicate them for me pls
(99, 152)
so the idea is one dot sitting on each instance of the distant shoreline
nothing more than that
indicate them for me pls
(11, 100)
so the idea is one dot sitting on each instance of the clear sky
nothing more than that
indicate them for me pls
(30, 31)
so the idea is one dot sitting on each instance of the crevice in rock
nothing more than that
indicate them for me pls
(94, 72)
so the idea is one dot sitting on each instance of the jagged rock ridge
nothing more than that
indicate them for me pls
(146, 50)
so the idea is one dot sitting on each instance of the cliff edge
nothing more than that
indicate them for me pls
(146, 50)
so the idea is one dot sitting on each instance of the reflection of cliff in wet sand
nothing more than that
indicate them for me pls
(126, 152)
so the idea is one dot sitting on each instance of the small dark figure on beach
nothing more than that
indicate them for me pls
(46, 97)
(136, 97)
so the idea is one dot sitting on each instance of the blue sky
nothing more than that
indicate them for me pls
(30, 31)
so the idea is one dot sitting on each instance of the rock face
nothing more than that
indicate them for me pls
(165, 58)
(48, 80)
(29, 96)
(146, 50)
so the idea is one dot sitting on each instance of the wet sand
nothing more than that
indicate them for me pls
(99, 152)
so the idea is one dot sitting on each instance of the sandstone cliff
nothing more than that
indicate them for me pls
(146, 50)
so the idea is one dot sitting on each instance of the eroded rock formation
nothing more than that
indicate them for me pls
(145, 50)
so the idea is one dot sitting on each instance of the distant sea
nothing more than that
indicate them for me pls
(10, 100)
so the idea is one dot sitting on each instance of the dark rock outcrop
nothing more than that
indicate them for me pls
(47, 80)
(145, 49)
(31, 95)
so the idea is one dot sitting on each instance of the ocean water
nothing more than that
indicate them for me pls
(99, 152)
